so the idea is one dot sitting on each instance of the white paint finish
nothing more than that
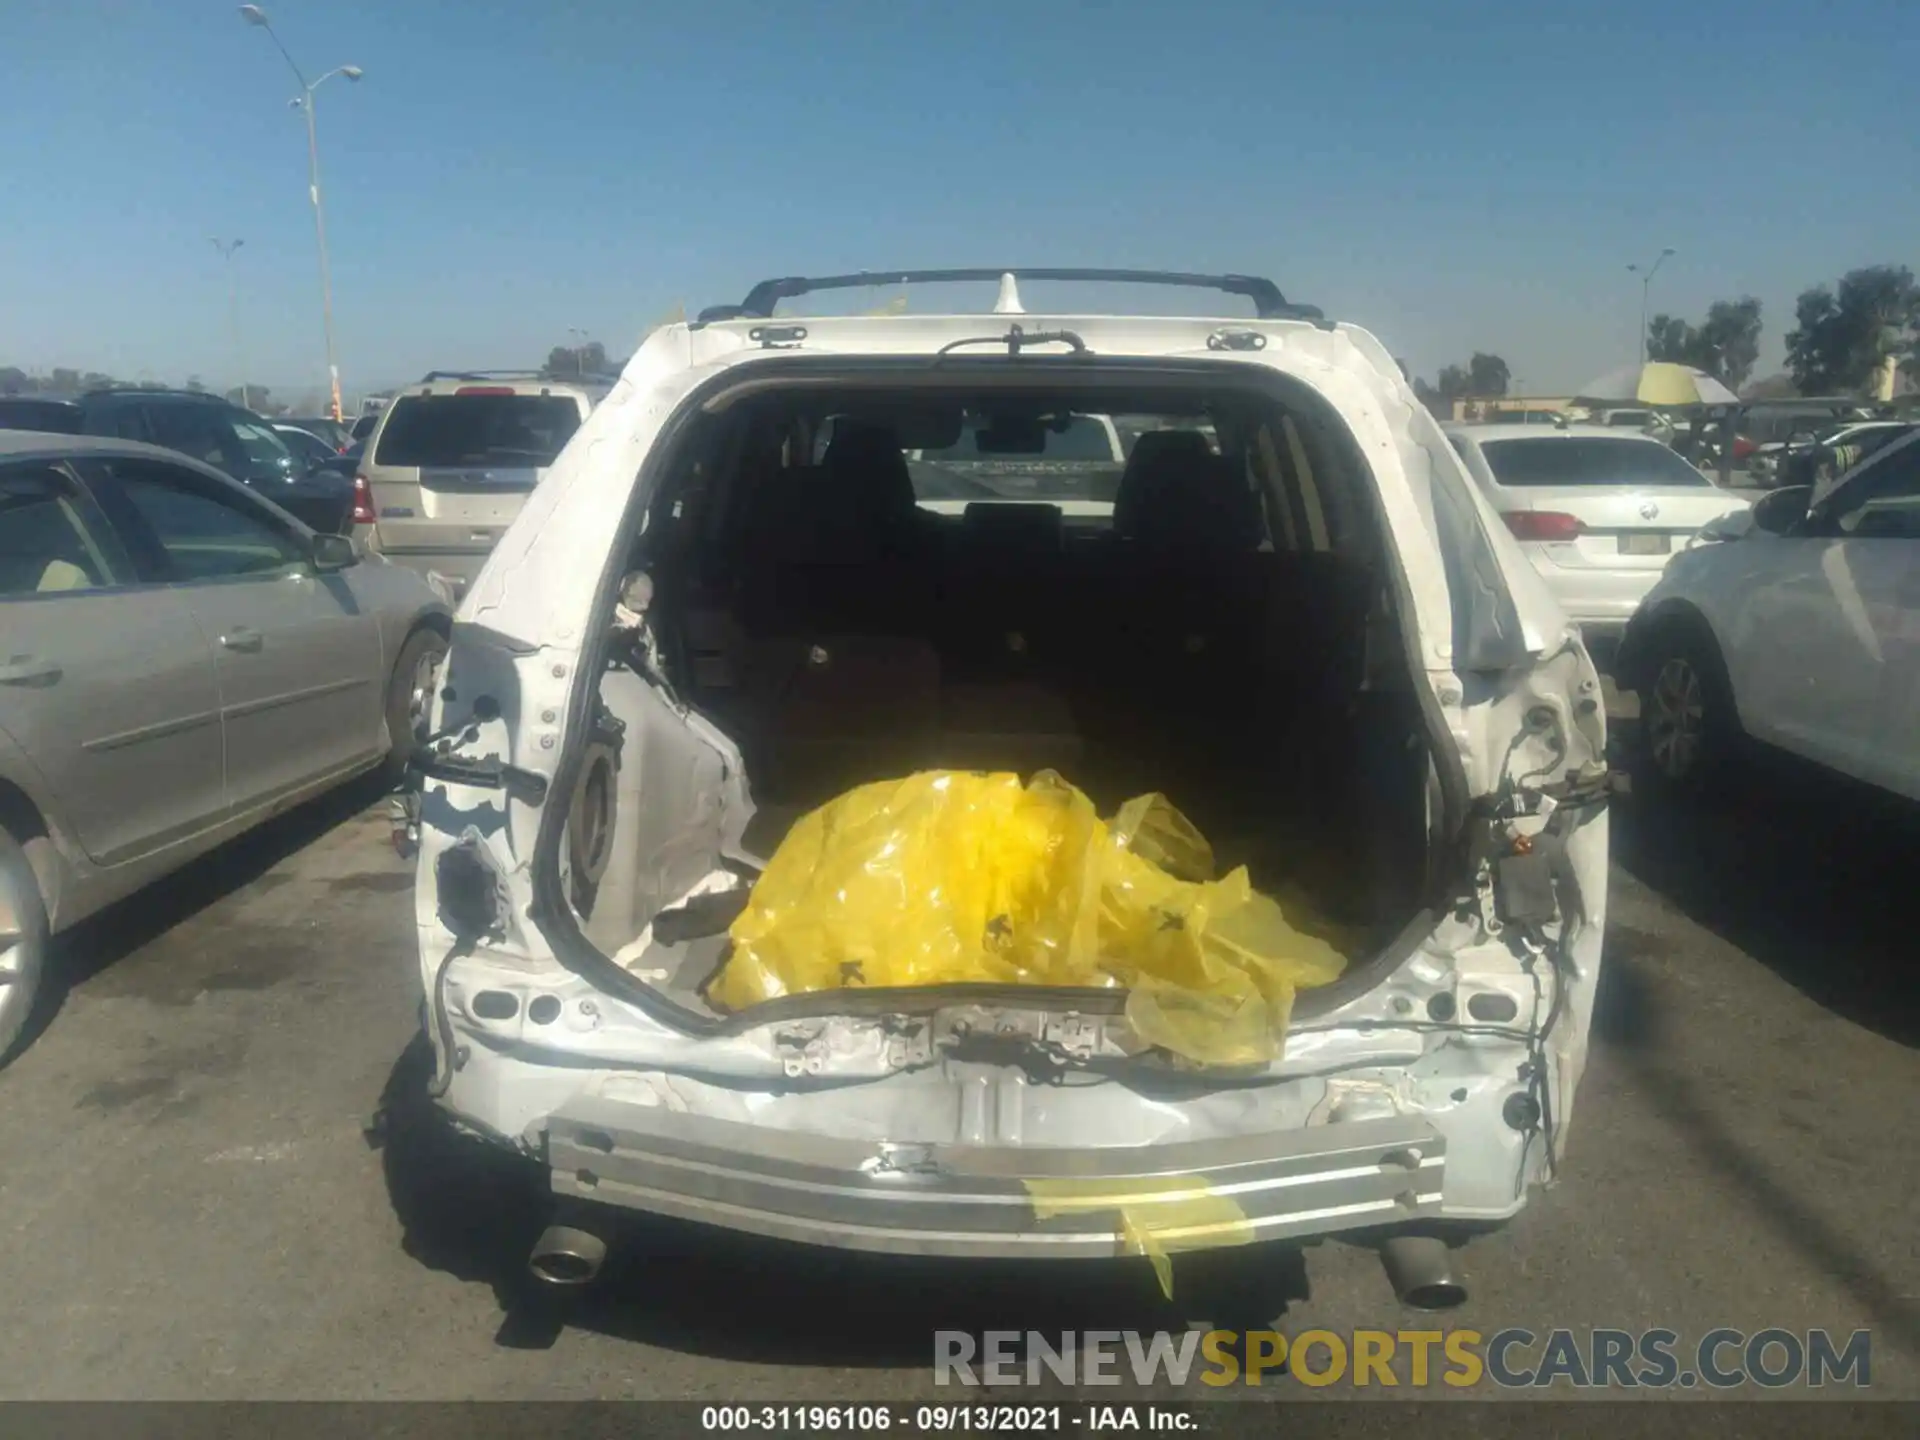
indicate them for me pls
(1820, 631)
(1629, 534)
(538, 592)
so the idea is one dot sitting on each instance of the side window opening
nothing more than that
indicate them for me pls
(46, 547)
(1308, 486)
(1264, 458)
(1886, 503)
(191, 531)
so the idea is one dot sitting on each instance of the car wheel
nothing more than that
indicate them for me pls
(23, 942)
(410, 698)
(1687, 728)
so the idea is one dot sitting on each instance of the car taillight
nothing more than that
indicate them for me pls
(1543, 525)
(1743, 447)
(362, 501)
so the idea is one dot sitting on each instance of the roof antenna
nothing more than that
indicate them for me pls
(1009, 301)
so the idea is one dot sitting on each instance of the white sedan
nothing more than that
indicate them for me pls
(1801, 631)
(1598, 511)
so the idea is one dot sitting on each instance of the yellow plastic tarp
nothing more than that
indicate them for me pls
(948, 877)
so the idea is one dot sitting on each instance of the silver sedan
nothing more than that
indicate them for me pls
(179, 660)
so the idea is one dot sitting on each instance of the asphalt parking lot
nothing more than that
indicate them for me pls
(194, 1206)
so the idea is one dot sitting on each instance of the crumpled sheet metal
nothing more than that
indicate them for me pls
(950, 877)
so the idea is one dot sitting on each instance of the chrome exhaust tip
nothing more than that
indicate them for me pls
(567, 1258)
(1420, 1269)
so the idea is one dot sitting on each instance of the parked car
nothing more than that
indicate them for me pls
(182, 659)
(1598, 511)
(1816, 459)
(335, 435)
(40, 412)
(1772, 426)
(234, 441)
(452, 460)
(1800, 631)
(307, 447)
(695, 632)
(1076, 466)
(347, 463)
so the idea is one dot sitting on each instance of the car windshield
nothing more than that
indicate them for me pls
(1588, 460)
(447, 430)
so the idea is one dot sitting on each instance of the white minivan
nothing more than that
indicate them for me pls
(1298, 618)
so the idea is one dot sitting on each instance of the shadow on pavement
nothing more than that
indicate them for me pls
(473, 1211)
(103, 940)
(1812, 878)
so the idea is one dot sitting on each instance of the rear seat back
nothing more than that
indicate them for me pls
(839, 547)
(1005, 594)
(1184, 583)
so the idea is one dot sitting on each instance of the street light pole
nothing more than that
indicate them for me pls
(579, 352)
(1646, 274)
(254, 15)
(226, 249)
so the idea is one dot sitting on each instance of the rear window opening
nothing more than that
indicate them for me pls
(444, 431)
(1219, 627)
(1588, 460)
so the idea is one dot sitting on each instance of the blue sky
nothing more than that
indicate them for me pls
(1454, 176)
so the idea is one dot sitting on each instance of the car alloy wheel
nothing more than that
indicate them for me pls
(23, 942)
(1676, 718)
(420, 692)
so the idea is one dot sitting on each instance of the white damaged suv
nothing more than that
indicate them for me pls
(738, 593)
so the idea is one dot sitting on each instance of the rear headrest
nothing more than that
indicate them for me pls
(1177, 493)
(863, 462)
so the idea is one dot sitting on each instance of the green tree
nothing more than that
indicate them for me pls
(1670, 340)
(1725, 345)
(1845, 333)
(1488, 374)
(565, 361)
(1730, 340)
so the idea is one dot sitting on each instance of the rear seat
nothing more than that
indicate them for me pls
(1183, 584)
(840, 678)
(1185, 597)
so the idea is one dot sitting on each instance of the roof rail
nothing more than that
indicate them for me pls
(172, 392)
(589, 377)
(432, 375)
(1268, 302)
